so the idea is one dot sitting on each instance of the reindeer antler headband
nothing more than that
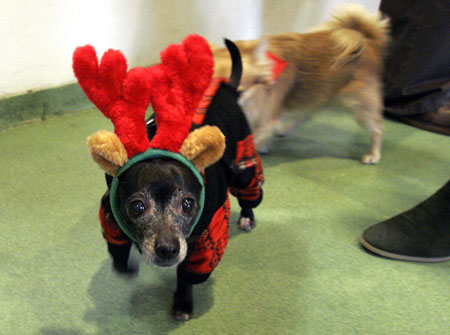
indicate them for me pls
(174, 87)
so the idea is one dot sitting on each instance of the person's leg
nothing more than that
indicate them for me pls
(421, 234)
(417, 67)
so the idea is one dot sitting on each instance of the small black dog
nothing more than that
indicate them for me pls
(177, 214)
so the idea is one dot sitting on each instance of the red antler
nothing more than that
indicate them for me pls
(175, 87)
(121, 97)
(179, 83)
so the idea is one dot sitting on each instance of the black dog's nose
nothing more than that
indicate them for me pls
(167, 251)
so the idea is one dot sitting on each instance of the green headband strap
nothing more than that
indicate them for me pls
(151, 154)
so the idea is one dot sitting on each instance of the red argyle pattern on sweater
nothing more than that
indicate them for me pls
(212, 243)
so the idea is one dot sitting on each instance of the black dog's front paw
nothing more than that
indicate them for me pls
(246, 220)
(183, 305)
(246, 224)
(130, 268)
(122, 262)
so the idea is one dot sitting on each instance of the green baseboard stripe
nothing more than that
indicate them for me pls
(42, 104)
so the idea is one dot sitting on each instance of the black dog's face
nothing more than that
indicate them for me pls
(159, 200)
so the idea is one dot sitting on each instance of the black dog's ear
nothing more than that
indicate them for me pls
(108, 180)
(236, 63)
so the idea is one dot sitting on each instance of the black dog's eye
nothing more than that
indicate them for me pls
(187, 205)
(137, 207)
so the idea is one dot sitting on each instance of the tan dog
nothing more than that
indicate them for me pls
(338, 62)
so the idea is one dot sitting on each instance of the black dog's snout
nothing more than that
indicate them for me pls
(167, 251)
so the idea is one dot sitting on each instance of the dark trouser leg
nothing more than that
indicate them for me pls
(417, 67)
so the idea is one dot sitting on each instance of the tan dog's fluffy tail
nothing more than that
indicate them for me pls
(353, 26)
(355, 17)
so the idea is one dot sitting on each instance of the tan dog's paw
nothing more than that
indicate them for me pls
(264, 149)
(370, 159)
(246, 224)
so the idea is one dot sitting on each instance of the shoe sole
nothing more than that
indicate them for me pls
(391, 255)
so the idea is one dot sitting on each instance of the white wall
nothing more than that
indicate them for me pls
(39, 36)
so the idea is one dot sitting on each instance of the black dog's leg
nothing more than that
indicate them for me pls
(247, 188)
(183, 302)
(247, 219)
(120, 255)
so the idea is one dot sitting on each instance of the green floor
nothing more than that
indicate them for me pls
(301, 271)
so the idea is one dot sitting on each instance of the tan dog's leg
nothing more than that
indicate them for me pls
(286, 125)
(255, 102)
(368, 113)
(291, 119)
(374, 126)
(262, 104)
(365, 99)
